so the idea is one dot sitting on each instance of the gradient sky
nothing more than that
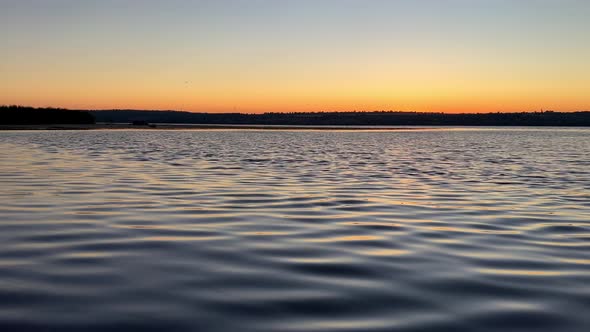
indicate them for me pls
(297, 55)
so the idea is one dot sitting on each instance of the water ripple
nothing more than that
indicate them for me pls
(434, 230)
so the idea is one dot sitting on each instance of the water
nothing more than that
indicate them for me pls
(252, 230)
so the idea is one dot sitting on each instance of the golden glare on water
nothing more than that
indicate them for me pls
(530, 273)
(386, 252)
(353, 238)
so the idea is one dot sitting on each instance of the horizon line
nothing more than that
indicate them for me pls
(286, 112)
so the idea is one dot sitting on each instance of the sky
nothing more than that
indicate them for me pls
(297, 55)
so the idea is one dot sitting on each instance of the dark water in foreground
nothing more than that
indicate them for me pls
(448, 230)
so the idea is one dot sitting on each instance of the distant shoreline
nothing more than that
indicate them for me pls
(119, 126)
(55, 118)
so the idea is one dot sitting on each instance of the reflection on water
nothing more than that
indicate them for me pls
(434, 230)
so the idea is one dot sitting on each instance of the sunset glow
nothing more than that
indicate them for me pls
(262, 56)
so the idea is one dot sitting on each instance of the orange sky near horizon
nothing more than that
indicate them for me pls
(284, 56)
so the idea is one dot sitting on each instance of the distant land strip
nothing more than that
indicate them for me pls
(21, 117)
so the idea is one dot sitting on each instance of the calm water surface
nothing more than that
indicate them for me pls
(237, 230)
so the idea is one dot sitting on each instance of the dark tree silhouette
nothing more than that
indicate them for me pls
(379, 118)
(21, 115)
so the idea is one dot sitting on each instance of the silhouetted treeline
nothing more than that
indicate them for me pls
(388, 118)
(21, 115)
